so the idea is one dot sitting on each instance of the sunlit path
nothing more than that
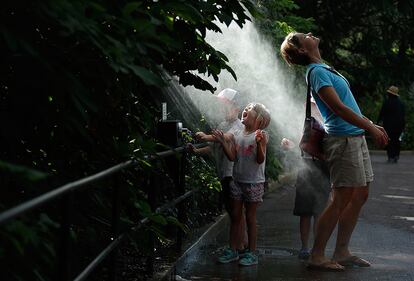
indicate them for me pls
(384, 235)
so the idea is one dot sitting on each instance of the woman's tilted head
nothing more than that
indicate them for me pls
(296, 47)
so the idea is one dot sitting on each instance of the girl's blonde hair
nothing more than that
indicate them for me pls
(290, 50)
(263, 114)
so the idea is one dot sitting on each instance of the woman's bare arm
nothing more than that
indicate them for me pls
(329, 96)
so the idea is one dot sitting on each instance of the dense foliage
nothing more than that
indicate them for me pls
(81, 84)
(372, 43)
(277, 18)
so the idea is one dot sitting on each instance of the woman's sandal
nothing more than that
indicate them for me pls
(326, 266)
(354, 261)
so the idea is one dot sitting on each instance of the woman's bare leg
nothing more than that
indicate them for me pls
(327, 222)
(348, 220)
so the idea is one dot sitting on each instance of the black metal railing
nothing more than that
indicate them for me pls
(66, 193)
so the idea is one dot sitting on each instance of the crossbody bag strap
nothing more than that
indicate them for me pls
(337, 73)
(308, 103)
(308, 95)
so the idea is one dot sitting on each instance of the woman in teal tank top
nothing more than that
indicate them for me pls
(345, 150)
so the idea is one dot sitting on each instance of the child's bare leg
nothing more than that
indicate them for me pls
(305, 226)
(236, 218)
(244, 241)
(251, 208)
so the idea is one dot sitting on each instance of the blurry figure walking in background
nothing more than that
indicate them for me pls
(392, 115)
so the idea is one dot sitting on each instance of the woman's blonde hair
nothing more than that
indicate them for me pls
(290, 50)
(263, 114)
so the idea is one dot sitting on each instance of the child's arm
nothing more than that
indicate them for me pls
(202, 150)
(261, 141)
(287, 144)
(201, 136)
(228, 143)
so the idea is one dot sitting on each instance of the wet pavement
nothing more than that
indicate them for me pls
(384, 235)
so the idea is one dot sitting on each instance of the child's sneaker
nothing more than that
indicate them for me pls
(248, 259)
(229, 255)
(304, 254)
(243, 251)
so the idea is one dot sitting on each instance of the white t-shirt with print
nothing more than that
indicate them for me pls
(246, 169)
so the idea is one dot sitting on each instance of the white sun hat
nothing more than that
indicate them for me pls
(229, 95)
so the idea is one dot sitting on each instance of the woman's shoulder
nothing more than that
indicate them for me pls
(320, 74)
(318, 68)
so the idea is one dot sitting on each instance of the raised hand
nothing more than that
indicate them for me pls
(200, 136)
(190, 147)
(218, 135)
(259, 136)
(287, 144)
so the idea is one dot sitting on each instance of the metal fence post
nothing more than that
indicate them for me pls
(152, 184)
(116, 211)
(65, 253)
(181, 190)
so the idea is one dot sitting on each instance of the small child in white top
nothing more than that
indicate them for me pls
(229, 104)
(247, 148)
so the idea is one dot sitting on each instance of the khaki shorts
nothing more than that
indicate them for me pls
(348, 160)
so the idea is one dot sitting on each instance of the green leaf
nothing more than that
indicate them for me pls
(176, 222)
(157, 218)
(143, 207)
(146, 163)
(27, 173)
(147, 76)
(131, 7)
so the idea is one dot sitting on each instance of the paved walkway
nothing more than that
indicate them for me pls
(384, 235)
